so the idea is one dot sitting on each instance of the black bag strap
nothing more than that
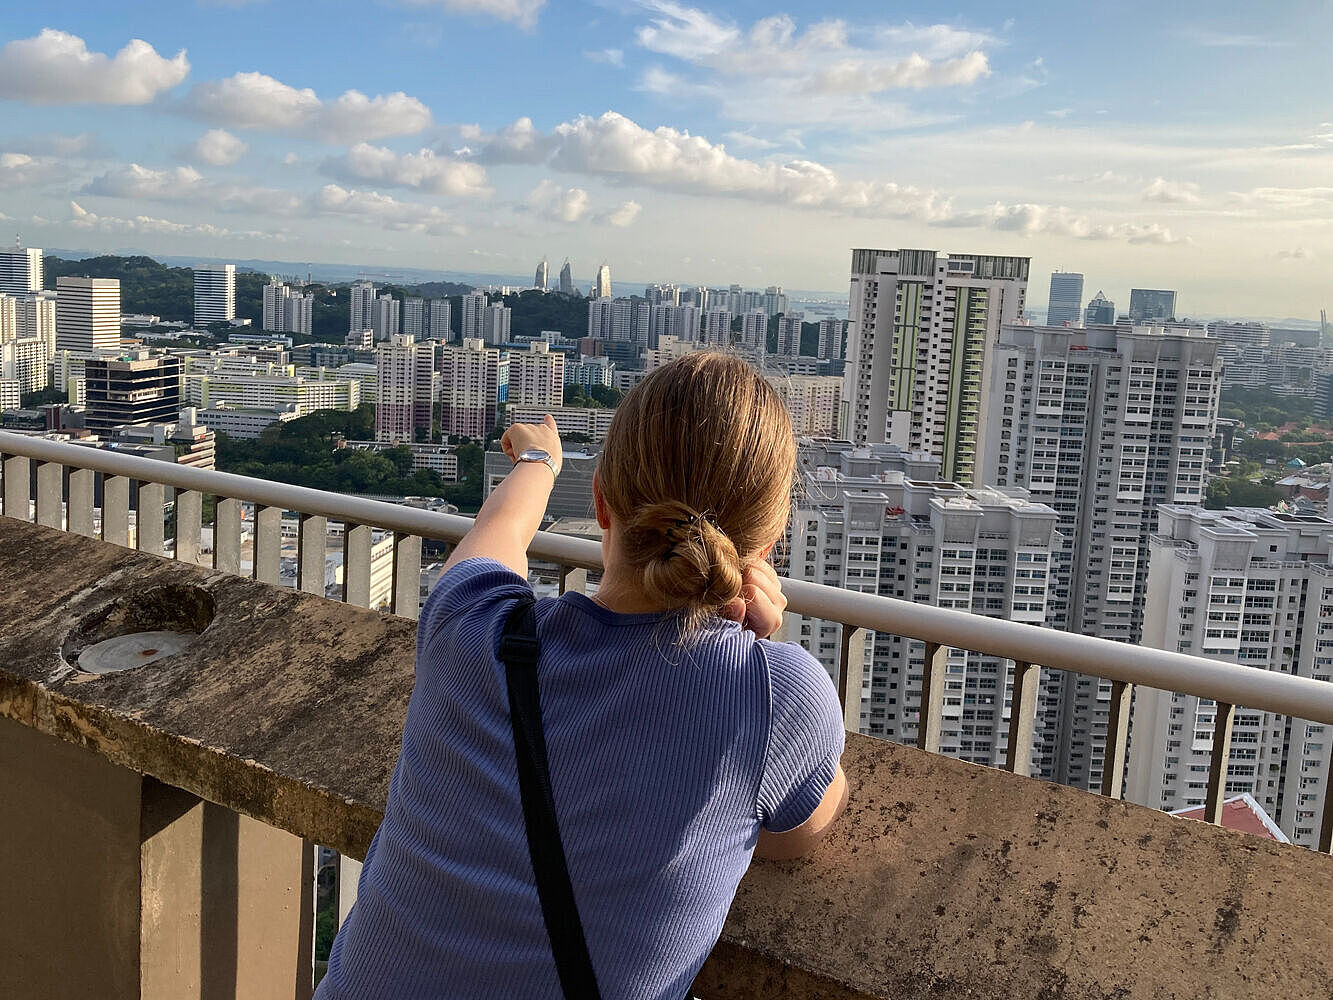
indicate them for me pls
(519, 649)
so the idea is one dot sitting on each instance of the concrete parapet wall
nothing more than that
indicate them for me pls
(943, 880)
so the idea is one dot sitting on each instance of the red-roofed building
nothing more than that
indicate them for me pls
(1241, 812)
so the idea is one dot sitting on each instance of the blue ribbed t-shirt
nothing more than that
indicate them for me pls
(665, 762)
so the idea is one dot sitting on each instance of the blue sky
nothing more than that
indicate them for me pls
(1187, 145)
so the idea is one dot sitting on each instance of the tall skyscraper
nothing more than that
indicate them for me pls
(536, 376)
(717, 328)
(385, 316)
(1100, 311)
(140, 389)
(286, 310)
(919, 335)
(1102, 424)
(789, 334)
(214, 293)
(1065, 304)
(601, 285)
(495, 320)
(681, 322)
(754, 331)
(831, 333)
(473, 306)
(877, 520)
(404, 372)
(36, 314)
(662, 295)
(87, 314)
(474, 380)
(1151, 305)
(542, 278)
(362, 305)
(1251, 587)
(775, 300)
(566, 279)
(414, 317)
(27, 343)
(438, 318)
(20, 270)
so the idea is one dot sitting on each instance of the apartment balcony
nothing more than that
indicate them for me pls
(159, 820)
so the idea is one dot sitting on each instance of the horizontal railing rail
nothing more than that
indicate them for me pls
(1031, 647)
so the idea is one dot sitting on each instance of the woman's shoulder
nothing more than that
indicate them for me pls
(468, 586)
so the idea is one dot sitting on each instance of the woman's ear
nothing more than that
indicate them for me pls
(599, 504)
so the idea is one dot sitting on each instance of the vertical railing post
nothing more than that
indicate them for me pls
(150, 531)
(1022, 717)
(79, 508)
(189, 518)
(1117, 740)
(1217, 770)
(268, 544)
(50, 486)
(358, 541)
(1326, 824)
(227, 535)
(406, 575)
(573, 579)
(116, 509)
(851, 674)
(16, 486)
(932, 698)
(311, 539)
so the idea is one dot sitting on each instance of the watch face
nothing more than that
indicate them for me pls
(534, 455)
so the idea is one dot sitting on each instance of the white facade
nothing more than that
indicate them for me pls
(874, 520)
(473, 307)
(754, 331)
(286, 310)
(717, 328)
(593, 422)
(385, 315)
(362, 305)
(919, 335)
(668, 350)
(789, 335)
(814, 403)
(1103, 424)
(536, 376)
(1252, 587)
(405, 375)
(214, 293)
(831, 333)
(588, 372)
(20, 271)
(414, 317)
(245, 383)
(681, 322)
(26, 360)
(10, 394)
(364, 374)
(495, 320)
(240, 423)
(474, 380)
(601, 285)
(87, 314)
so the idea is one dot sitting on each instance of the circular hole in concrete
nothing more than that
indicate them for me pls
(124, 652)
(138, 628)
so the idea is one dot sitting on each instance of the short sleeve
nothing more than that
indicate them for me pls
(466, 596)
(805, 738)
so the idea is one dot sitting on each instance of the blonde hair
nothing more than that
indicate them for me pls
(698, 467)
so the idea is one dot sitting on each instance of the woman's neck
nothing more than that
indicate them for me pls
(619, 594)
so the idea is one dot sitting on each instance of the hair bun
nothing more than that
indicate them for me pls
(686, 558)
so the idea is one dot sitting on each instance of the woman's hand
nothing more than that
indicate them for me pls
(761, 602)
(520, 437)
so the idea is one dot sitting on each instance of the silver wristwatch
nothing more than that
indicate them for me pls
(539, 455)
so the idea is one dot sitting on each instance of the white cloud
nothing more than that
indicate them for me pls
(81, 218)
(852, 76)
(135, 181)
(1210, 39)
(219, 148)
(20, 169)
(382, 210)
(424, 170)
(1172, 192)
(258, 101)
(291, 159)
(550, 200)
(615, 147)
(56, 144)
(57, 68)
(611, 57)
(520, 12)
(1291, 198)
(624, 215)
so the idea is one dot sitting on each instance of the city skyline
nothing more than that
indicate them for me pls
(182, 129)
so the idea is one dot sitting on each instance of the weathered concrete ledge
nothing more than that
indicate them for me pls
(943, 880)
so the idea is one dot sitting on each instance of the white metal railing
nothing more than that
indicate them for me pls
(66, 470)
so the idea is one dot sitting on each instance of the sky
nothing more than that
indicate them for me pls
(1185, 145)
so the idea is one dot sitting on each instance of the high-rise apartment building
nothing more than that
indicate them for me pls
(789, 335)
(566, 279)
(404, 373)
(362, 305)
(214, 293)
(1065, 304)
(662, 295)
(437, 319)
(814, 403)
(495, 324)
(87, 314)
(624, 321)
(601, 285)
(386, 317)
(754, 331)
(1103, 424)
(921, 326)
(831, 334)
(20, 271)
(1251, 587)
(474, 380)
(1100, 311)
(473, 306)
(542, 278)
(775, 301)
(414, 317)
(681, 322)
(1151, 305)
(286, 310)
(876, 520)
(27, 342)
(140, 388)
(536, 376)
(717, 328)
